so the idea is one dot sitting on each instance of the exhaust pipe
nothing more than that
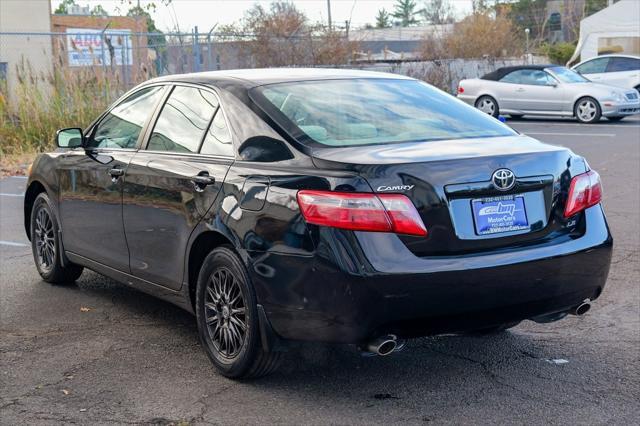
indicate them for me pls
(582, 308)
(383, 345)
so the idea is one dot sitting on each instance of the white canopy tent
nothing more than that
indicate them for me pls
(615, 29)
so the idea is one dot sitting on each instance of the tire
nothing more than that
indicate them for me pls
(615, 119)
(227, 317)
(516, 116)
(495, 329)
(46, 247)
(587, 110)
(488, 105)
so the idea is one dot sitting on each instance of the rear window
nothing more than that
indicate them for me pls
(341, 113)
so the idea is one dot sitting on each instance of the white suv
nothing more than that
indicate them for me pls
(617, 70)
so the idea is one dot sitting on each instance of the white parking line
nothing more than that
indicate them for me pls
(6, 194)
(12, 244)
(550, 124)
(17, 177)
(604, 135)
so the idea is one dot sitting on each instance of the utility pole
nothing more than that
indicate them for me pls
(329, 13)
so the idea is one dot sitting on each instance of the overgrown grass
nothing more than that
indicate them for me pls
(41, 104)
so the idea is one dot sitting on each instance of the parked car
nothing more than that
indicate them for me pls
(325, 205)
(616, 70)
(547, 90)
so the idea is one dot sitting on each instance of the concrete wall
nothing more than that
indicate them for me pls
(446, 74)
(25, 16)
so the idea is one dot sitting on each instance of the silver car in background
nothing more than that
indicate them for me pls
(547, 90)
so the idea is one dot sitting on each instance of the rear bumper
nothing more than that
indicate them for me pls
(340, 296)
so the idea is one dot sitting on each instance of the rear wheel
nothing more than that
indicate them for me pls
(227, 316)
(488, 105)
(46, 247)
(587, 110)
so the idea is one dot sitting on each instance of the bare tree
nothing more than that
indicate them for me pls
(438, 12)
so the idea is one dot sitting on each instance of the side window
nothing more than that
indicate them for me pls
(540, 78)
(528, 76)
(183, 120)
(593, 67)
(218, 138)
(121, 127)
(623, 64)
(517, 77)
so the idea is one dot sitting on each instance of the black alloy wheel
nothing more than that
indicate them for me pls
(227, 316)
(45, 245)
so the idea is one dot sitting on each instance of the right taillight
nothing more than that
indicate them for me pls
(361, 211)
(585, 191)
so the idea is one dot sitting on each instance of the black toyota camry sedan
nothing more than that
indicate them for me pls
(339, 206)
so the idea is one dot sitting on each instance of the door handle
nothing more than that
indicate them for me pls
(201, 181)
(519, 89)
(115, 173)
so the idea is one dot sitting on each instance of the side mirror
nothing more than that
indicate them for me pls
(70, 138)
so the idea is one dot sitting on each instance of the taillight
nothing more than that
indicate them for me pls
(585, 191)
(460, 89)
(361, 211)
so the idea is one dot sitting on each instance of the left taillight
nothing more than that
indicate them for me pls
(585, 191)
(460, 89)
(361, 211)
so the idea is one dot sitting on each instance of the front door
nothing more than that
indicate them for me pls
(91, 182)
(542, 93)
(171, 184)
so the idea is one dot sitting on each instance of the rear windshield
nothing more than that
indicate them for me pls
(341, 113)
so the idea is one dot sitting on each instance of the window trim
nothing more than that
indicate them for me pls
(89, 133)
(152, 124)
(544, 70)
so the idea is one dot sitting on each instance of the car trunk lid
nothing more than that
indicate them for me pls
(450, 182)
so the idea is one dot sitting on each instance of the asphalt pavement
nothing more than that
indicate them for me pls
(100, 352)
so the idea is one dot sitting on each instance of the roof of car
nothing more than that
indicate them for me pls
(501, 72)
(260, 76)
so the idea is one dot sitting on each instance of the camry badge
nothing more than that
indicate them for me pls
(395, 188)
(503, 179)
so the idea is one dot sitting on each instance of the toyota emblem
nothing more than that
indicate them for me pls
(503, 179)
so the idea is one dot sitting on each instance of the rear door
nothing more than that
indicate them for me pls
(623, 72)
(91, 181)
(173, 181)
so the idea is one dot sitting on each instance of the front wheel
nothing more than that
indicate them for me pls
(587, 110)
(46, 246)
(488, 105)
(227, 316)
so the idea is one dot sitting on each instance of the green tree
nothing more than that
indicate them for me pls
(383, 19)
(98, 10)
(156, 39)
(593, 6)
(530, 14)
(405, 11)
(63, 7)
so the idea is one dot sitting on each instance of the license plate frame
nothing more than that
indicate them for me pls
(499, 215)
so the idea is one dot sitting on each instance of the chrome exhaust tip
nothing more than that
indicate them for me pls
(582, 308)
(384, 345)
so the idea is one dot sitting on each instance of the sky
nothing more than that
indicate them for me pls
(206, 13)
